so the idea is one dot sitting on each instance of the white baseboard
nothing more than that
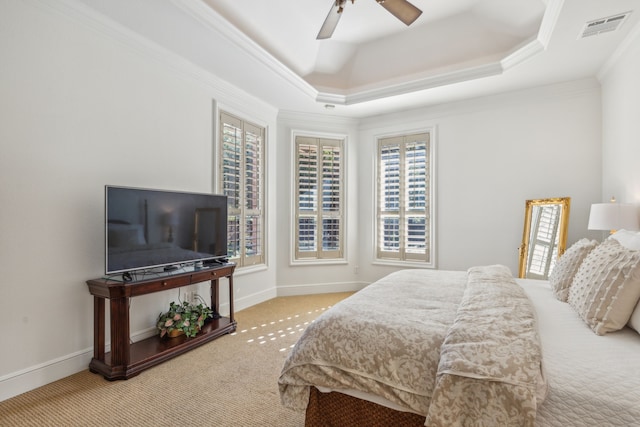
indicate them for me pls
(249, 300)
(36, 376)
(320, 288)
(33, 377)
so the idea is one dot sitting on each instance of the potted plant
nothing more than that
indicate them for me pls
(183, 318)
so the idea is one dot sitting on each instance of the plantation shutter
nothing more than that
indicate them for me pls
(242, 180)
(404, 199)
(319, 195)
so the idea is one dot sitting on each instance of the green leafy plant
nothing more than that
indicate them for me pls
(185, 317)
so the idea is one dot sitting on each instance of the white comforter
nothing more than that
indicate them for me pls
(435, 343)
(385, 341)
(594, 381)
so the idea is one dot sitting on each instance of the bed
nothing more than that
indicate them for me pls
(478, 347)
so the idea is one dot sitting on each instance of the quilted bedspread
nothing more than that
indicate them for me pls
(432, 346)
(594, 381)
(490, 371)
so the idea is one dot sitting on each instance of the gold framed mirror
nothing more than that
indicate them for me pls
(544, 238)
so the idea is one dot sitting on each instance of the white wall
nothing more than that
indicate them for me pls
(334, 277)
(80, 109)
(492, 154)
(621, 123)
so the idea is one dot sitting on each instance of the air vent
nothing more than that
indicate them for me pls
(603, 25)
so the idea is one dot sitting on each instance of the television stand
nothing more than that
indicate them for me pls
(126, 360)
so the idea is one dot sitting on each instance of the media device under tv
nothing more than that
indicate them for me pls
(147, 229)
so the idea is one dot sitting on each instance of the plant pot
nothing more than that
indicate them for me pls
(175, 333)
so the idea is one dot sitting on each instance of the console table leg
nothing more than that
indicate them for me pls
(215, 298)
(119, 332)
(231, 299)
(98, 328)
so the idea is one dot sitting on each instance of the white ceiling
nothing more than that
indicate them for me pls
(370, 47)
(374, 63)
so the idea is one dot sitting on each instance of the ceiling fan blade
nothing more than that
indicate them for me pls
(331, 22)
(402, 9)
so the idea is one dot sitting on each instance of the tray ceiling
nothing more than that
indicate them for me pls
(457, 49)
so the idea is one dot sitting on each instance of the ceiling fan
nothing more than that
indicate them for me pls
(401, 9)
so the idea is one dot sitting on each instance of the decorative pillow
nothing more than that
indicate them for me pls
(634, 320)
(606, 288)
(628, 239)
(567, 265)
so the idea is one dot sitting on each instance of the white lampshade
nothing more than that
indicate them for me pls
(613, 216)
(170, 219)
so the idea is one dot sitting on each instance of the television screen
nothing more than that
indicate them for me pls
(153, 228)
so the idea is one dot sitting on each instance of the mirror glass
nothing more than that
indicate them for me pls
(544, 238)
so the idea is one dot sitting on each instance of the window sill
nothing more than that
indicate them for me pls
(405, 264)
(315, 262)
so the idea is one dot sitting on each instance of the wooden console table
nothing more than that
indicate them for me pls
(129, 359)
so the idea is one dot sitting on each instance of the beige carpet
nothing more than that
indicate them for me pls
(231, 381)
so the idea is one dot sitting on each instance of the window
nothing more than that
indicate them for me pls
(319, 191)
(242, 181)
(404, 199)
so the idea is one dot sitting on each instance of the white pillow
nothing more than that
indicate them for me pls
(567, 266)
(628, 239)
(634, 320)
(606, 288)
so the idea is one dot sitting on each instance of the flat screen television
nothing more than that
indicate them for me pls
(147, 228)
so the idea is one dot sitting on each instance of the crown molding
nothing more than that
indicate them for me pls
(520, 55)
(549, 21)
(288, 118)
(444, 79)
(554, 91)
(216, 23)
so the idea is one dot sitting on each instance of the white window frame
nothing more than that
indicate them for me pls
(403, 257)
(319, 256)
(242, 211)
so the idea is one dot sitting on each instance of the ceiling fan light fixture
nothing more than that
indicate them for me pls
(401, 9)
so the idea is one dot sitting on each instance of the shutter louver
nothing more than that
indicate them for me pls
(404, 198)
(307, 198)
(242, 175)
(319, 195)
